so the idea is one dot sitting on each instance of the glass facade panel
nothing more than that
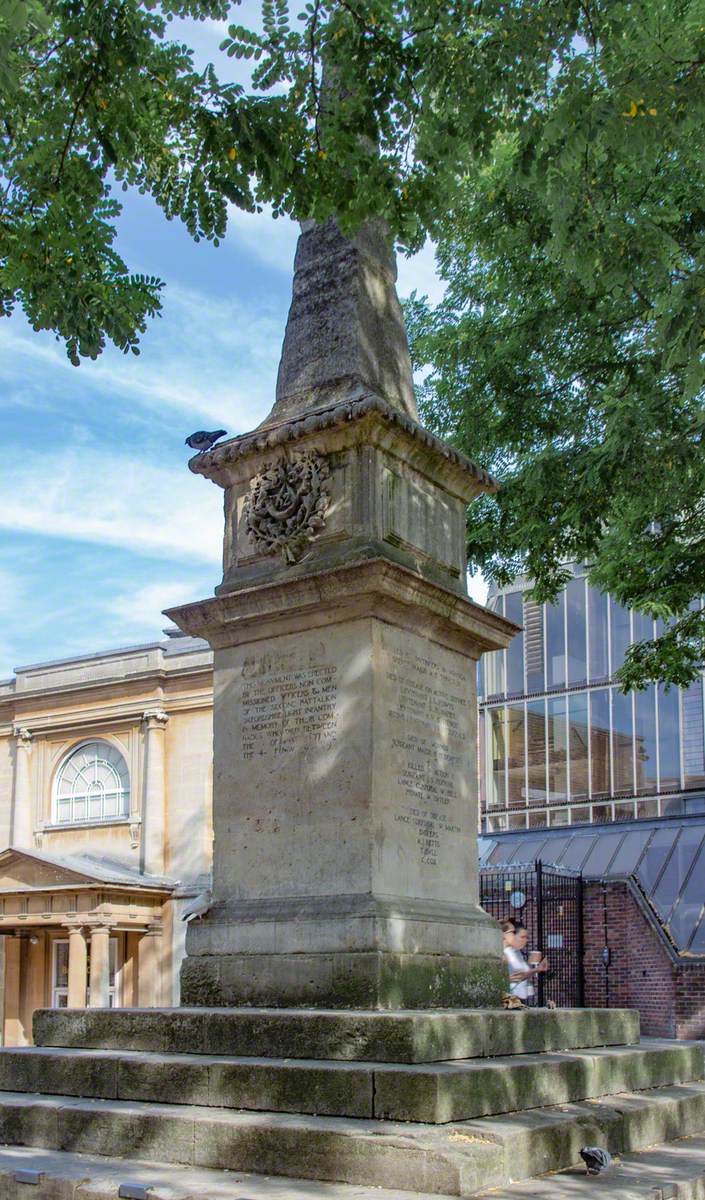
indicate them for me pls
(622, 757)
(578, 740)
(643, 627)
(693, 744)
(600, 742)
(679, 863)
(619, 633)
(494, 674)
(630, 852)
(669, 739)
(513, 611)
(497, 792)
(577, 632)
(536, 751)
(516, 756)
(555, 643)
(533, 642)
(557, 750)
(597, 627)
(686, 914)
(697, 946)
(602, 853)
(645, 740)
(655, 856)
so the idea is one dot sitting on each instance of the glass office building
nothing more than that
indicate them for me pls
(559, 743)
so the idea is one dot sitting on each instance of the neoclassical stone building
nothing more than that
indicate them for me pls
(105, 826)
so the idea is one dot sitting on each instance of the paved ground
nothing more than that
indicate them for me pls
(673, 1172)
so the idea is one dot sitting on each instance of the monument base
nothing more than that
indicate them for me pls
(372, 980)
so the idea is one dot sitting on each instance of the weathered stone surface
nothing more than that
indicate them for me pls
(345, 812)
(456, 1159)
(345, 333)
(396, 1037)
(434, 1093)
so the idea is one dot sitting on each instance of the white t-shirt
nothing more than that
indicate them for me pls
(516, 962)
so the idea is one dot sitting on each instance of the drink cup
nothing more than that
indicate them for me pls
(535, 957)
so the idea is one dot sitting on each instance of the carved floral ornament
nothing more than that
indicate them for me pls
(287, 504)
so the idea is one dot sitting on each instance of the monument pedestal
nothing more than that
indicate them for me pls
(345, 868)
(345, 809)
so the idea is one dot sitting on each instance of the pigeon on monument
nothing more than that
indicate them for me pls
(198, 907)
(596, 1159)
(202, 440)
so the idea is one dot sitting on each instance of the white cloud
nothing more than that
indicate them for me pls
(111, 499)
(419, 274)
(141, 607)
(270, 240)
(478, 588)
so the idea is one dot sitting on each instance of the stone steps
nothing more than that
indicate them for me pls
(407, 1036)
(434, 1093)
(459, 1159)
(676, 1171)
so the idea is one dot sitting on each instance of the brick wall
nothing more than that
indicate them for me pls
(641, 974)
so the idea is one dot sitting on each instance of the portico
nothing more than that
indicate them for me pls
(76, 934)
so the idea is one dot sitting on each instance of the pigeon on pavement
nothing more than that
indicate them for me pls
(202, 440)
(596, 1159)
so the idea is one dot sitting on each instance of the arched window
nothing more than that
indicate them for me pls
(92, 784)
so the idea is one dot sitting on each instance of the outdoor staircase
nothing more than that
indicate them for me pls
(443, 1102)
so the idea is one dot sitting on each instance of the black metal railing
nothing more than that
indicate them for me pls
(549, 902)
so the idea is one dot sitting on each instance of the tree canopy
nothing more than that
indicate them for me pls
(553, 151)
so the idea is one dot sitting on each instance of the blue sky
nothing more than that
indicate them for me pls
(101, 523)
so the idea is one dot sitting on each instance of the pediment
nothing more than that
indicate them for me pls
(21, 871)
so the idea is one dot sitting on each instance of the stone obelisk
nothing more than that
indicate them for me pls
(345, 812)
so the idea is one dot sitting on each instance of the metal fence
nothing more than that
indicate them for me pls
(549, 901)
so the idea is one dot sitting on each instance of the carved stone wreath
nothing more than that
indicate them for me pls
(287, 504)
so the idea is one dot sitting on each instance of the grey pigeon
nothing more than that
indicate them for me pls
(596, 1159)
(198, 907)
(202, 440)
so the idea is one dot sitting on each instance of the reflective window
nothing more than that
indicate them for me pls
(513, 610)
(555, 642)
(577, 632)
(619, 633)
(577, 852)
(693, 744)
(602, 853)
(481, 678)
(533, 641)
(645, 734)
(622, 768)
(679, 863)
(597, 626)
(494, 674)
(497, 791)
(600, 742)
(643, 627)
(559, 816)
(629, 852)
(516, 759)
(557, 749)
(92, 784)
(655, 856)
(536, 751)
(686, 914)
(578, 734)
(669, 738)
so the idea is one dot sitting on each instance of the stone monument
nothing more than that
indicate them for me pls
(345, 812)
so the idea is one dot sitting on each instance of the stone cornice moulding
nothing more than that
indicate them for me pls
(122, 718)
(218, 463)
(370, 588)
(161, 676)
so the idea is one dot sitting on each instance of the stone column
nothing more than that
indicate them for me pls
(78, 965)
(22, 800)
(14, 1035)
(148, 966)
(154, 792)
(100, 966)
